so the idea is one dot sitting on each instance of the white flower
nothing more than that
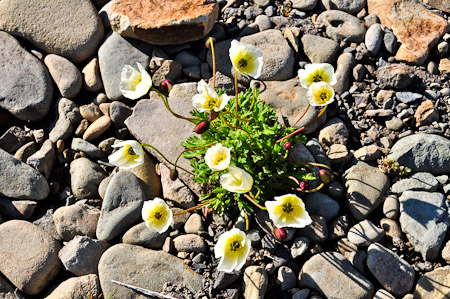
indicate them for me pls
(288, 211)
(134, 84)
(130, 155)
(207, 98)
(237, 180)
(320, 94)
(317, 72)
(246, 59)
(232, 248)
(157, 215)
(218, 157)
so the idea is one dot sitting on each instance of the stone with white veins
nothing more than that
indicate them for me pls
(424, 218)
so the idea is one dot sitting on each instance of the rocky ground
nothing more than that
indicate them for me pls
(69, 219)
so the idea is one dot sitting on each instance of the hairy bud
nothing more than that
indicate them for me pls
(202, 127)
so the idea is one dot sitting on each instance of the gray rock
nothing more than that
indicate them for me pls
(81, 255)
(121, 261)
(88, 148)
(68, 117)
(350, 6)
(423, 152)
(192, 72)
(290, 100)
(421, 181)
(32, 267)
(183, 90)
(77, 287)
(391, 207)
(76, 220)
(374, 39)
(393, 273)
(255, 283)
(299, 246)
(179, 220)
(365, 233)
(13, 139)
(304, 4)
(119, 112)
(366, 186)
(319, 49)
(339, 227)
(122, 205)
(65, 74)
(105, 14)
(263, 22)
(47, 224)
(170, 69)
(333, 132)
(408, 96)
(17, 209)
(367, 153)
(287, 278)
(317, 151)
(44, 159)
(194, 225)
(394, 76)
(19, 180)
(187, 59)
(72, 30)
(189, 243)
(141, 235)
(25, 151)
(383, 294)
(345, 64)
(332, 275)
(317, 231)
(394, 124)
(27, 89)
(150, 180)
(390, 42)
(116, 52)
(424, 219)
(85, 177)
(302, 294)
(342, 26)
(317, 203)
(434, 284)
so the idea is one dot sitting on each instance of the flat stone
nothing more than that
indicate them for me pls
(44, 159)
(189, 243)
(320, 204)
(434, 284)
(148, 114)
(290, 100)
(255, 284)
(76, 220)
(32, 267)
(421, 181)
(299, 246)
(408, 96)
(368, 153)
(416, 28)
(319, 49)
(341, 26)
(349, 6)
(338, 154)
(366, 186)
(424, 219)
(317, 231)
(122, 205)
(332, 275)
(176, 191)
(65, 74)
(72, 30)
(76, 287)
(333, 132)
(423, 153)
(365, 233)
(19, 180)
(141, 235)
(88, 148)
(116, 52)
(396, 76)
(392, 272)
(135, 264)
(164, 23)
(68, 116)
(85, 177)
(27, 89)
(13, 139)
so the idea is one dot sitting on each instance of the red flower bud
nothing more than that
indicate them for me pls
(280, 233)
(303, 185)
(288, 145)
(166, 86)
(213, 115)
(173, 174)
(202, 127)
(324, 176)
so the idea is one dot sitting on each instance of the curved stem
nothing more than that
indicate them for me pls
(254, 202)
(246, 221)
(317, 164)
(214, 61)
(236, 128)
(237, 93)
(316, 189)
(296, 122)
(164, 157)
(238, 118)
(196, 207)
(257, 193)
(191, 149)
(305, 126)
(253, 97)
(166, 103)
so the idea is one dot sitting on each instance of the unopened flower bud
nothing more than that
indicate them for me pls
(173, 174)
(325, 176)
(288, 145)
(202, 127)
(166, 86)
(213, 115)
(303, 185)
(280, 233)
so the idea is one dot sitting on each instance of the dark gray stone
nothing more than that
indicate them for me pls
(141, 235)
(85, 177)
(342, 26)
(322, 205)
(421, 181)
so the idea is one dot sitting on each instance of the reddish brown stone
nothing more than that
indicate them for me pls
(415, 27)
(164, 22)
(426, 114)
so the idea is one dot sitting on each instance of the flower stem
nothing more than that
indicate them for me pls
(254, 202)
(237, 93)
(305, 126)
(191, 149)
(316, 189)
(214, 61)
(196, 207)
(166, 103)
(309, 105)
(236, 128)
(164, 157)
(246, 221)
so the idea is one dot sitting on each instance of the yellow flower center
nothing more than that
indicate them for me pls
(242, 63)
(212, 102)
(131, 151)
(287, 208)
(317, 78)
(323, 96)
(158, 215)
(235, 245)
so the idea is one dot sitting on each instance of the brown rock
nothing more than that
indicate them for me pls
(439, 4)
(418, 29)
(90, 112)
(75, 287)
(435, 284)
(75, 220)
(164, 22)
(426, 114)
(444, 66)
(92, 80)
(150, 181)
(97, 128)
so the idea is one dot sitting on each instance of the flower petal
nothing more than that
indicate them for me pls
(242, 258)
(227, 263)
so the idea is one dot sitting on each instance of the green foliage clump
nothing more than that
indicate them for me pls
(254, 148)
